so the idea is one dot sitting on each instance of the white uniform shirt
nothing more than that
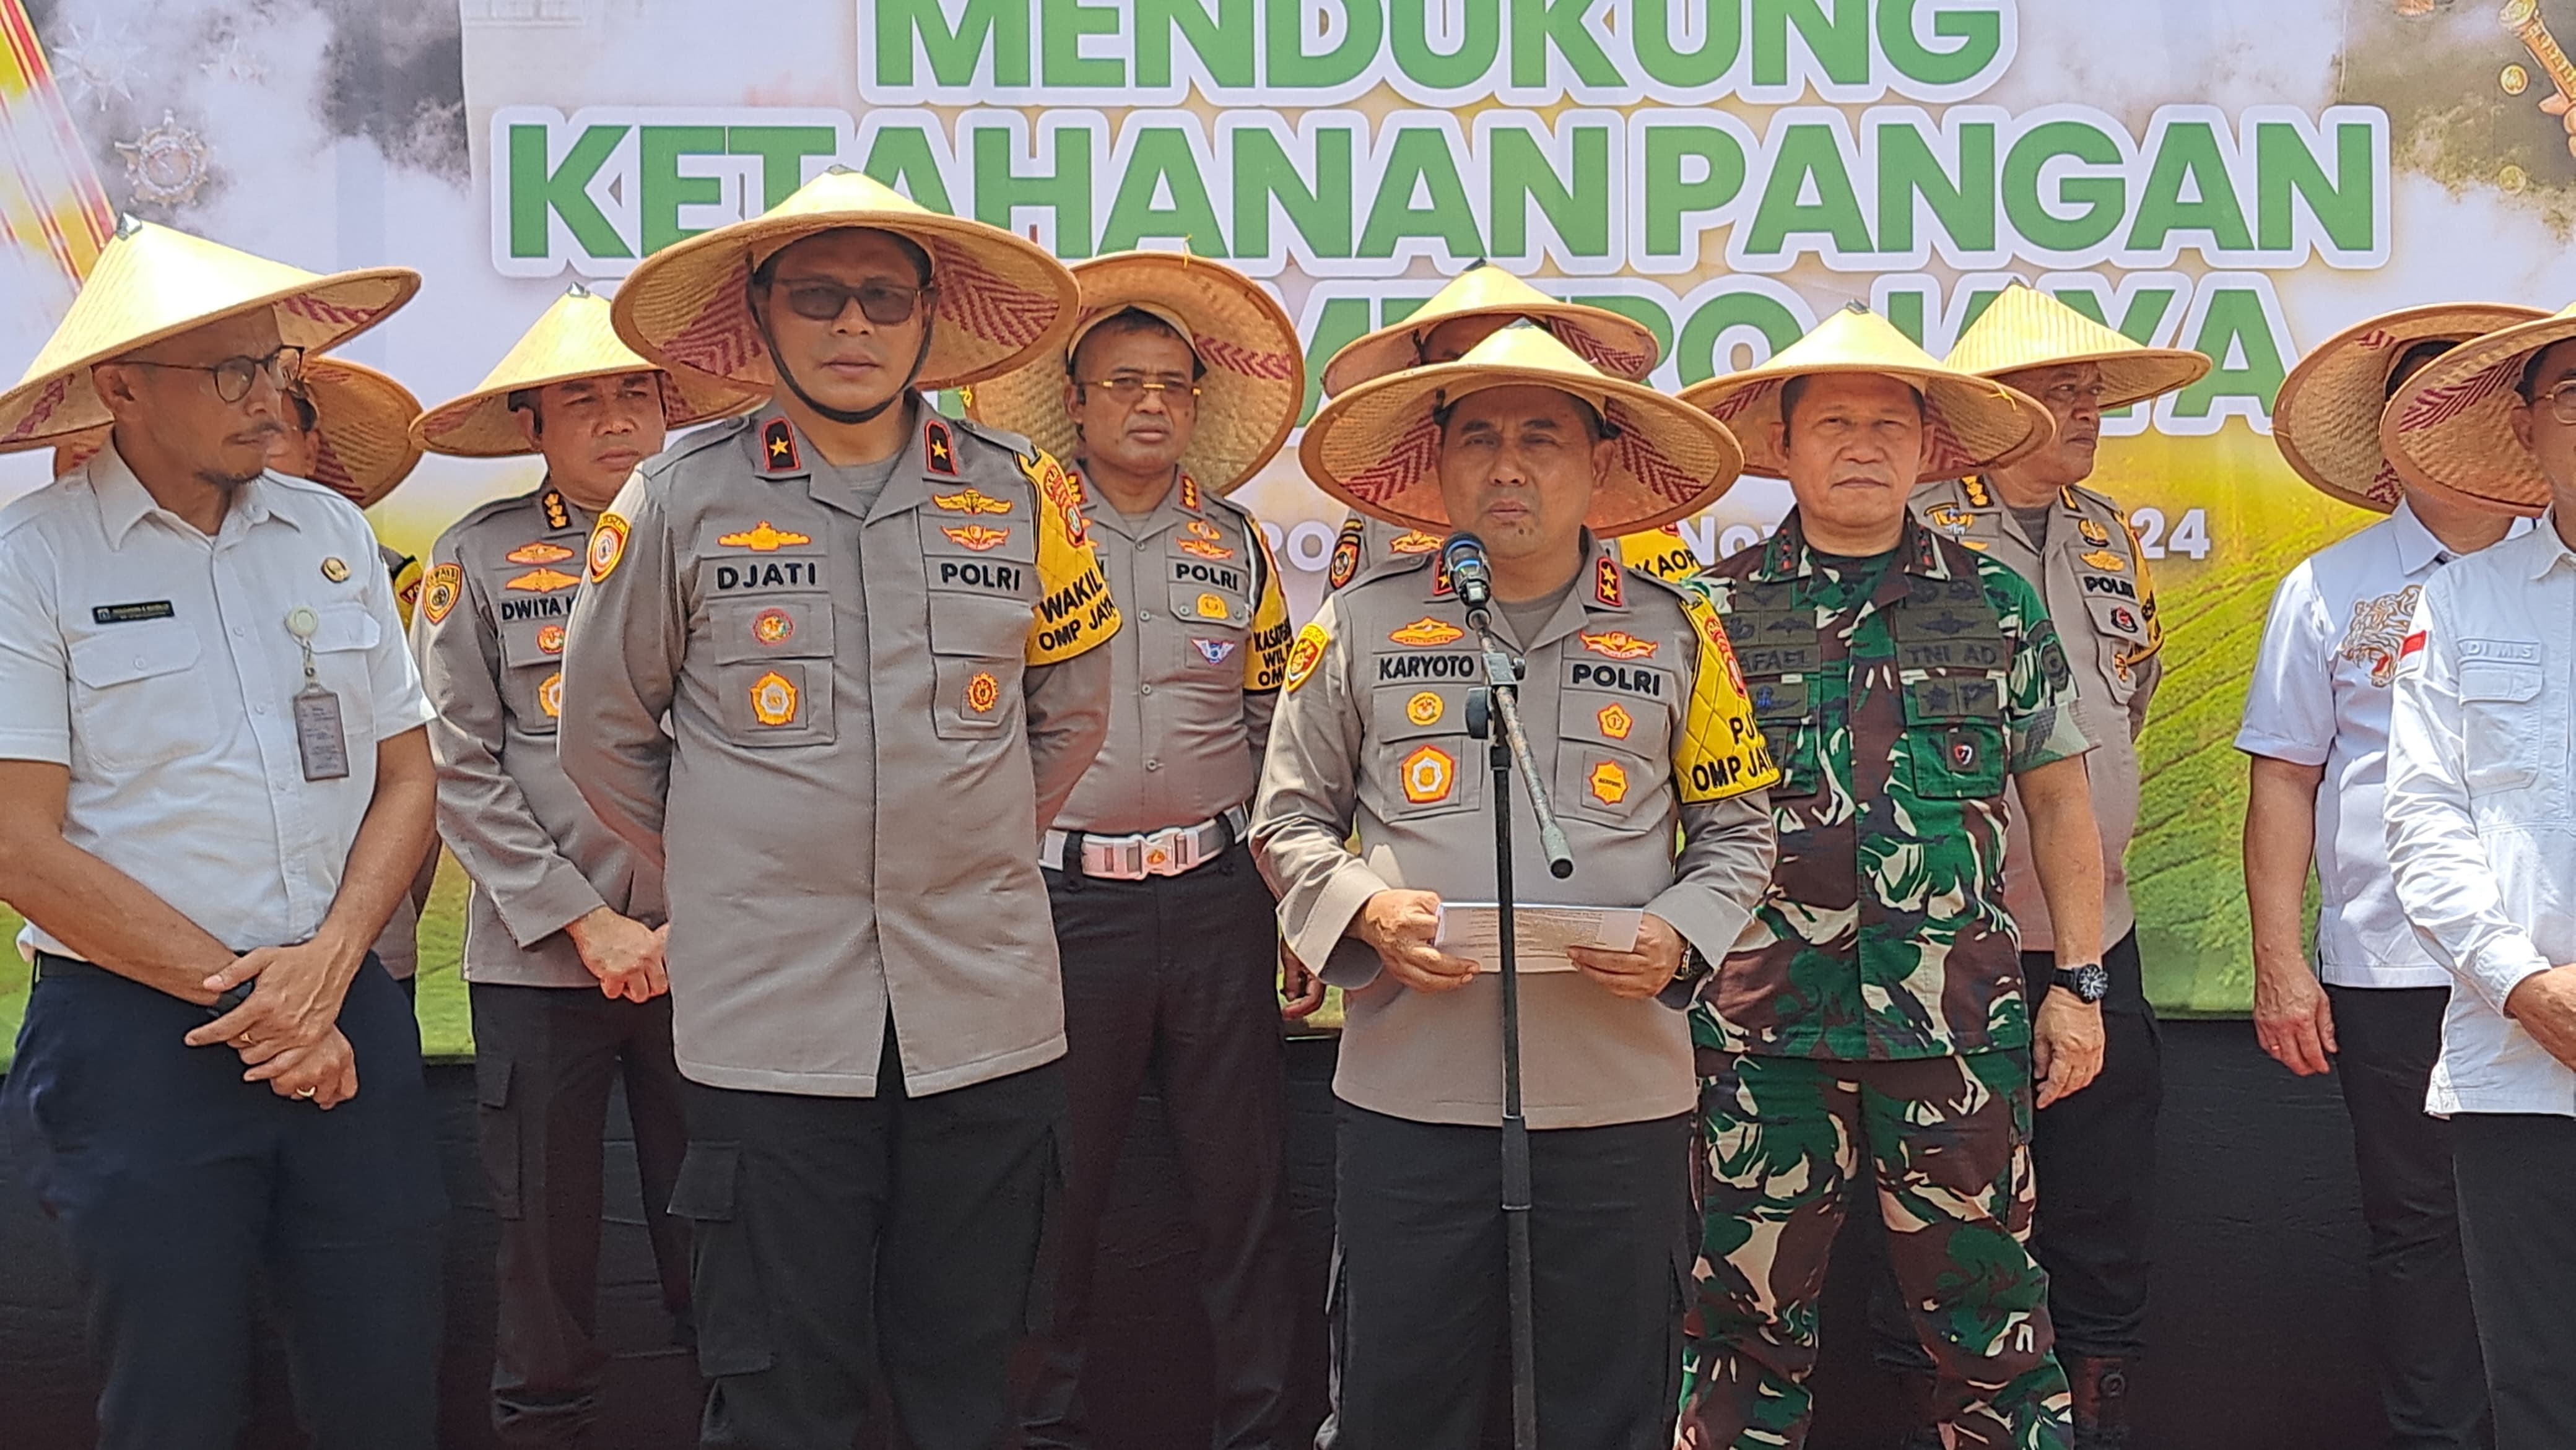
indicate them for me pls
(156, 663)
(2482, 809)
(2321, 694)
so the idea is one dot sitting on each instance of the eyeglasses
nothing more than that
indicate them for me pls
(2561, 401)
(883, 303)
(284, 369)
(1131, 390)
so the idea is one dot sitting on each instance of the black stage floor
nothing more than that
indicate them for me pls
(2259, 1312)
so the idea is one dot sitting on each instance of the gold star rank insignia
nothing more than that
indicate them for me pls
(778, 448)
(939, 452)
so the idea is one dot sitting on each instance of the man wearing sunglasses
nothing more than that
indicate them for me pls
(214, 789)
(833, 670)
(1164, 924)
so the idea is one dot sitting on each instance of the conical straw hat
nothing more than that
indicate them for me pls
(363, 448)
(153, 283)
(1256, 373)
(2326, 417)
(1002, 299)
(2447, 425)
(1620, 346)
(1377, 447)
(575, 339)
(1969, 422)
(2026, 328)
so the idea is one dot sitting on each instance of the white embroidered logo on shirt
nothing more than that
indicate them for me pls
(2378, 632)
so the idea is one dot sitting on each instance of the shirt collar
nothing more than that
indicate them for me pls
(123, 501)
(2417, 548)
(1177, 506)
(2548, 550)
(1787, 555)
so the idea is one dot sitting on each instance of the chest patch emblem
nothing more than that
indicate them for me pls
(773, 626)
(1426, 633)
(538, 552)
(1615, 721)
(773, 700)
(1618, 644)
(2094, 534)
(971, 501)
(2104, 560)
(2376, 638)
(1212, 606)
(762, 539)
(1215, 651)
(1413, 541)
(542, 581)
(1427, 774)
(1425, 708)
(983, 692)
(1949, 520)
(550, 695)
(1202, 529)
(1206, 550)
(978, 537)
(1608, 782)
(550, 639)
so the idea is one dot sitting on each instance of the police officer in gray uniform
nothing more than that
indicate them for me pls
(1164, 924)
(563, 941)
(834, 668)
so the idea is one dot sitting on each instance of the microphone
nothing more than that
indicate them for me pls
(1464, 557)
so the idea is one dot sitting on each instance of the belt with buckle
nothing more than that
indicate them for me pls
(1167, 852)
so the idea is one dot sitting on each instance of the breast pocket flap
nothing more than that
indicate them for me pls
(134, 652)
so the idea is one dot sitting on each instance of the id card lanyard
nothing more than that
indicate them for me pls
(319, 737)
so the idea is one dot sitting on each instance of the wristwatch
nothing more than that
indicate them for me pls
(1695, 967)
(2090, 982)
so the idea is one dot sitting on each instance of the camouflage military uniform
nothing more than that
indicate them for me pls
(1875, 1005)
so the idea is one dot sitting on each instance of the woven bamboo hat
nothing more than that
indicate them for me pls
(573, 340)
(1969, 422)
(1002, 299)
(1620, 346)
(2026, 328)
(2330, 419)
(362, 447)
(1256, 373)
(1377, 447)
(153, 283)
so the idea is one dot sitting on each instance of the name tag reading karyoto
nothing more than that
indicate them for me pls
(321, 741)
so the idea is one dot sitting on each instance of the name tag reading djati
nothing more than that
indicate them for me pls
(321, 741)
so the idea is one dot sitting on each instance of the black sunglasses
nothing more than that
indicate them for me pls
(883, 303)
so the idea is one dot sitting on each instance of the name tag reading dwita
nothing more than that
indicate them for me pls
(321, 741)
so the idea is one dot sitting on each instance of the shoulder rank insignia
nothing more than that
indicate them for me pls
(978, 537)
(971, 501)
(1975, 488)
(2094, 534)
(1413, 541)
(2104, 560)
(558, 513)
(1606, 589)
(607, 546)
(1306, 653)
(763, 539)
(2066, 496)
(778, 448)
(539, 552)
(1619, 644)
(1346, 554)
(438, 591)
(938, 449)
(542, 581)
(1189, 493)
(1426, 632)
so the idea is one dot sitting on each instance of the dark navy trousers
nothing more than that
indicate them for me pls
(181, 1189)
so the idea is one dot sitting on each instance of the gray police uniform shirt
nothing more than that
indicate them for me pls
(871, 711)
(155, 663)
(1644, 737)
(1198, 664)
(2093, 575)
(494, 612)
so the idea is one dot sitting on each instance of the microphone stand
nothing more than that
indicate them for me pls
(1508, 748)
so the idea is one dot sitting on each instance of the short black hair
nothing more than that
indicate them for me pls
(2419, 352)
(524, 400)
(1793, 389)
(2529, 383)
(1601, 428)
(307, 416)
(1127, 321)
(912, 251)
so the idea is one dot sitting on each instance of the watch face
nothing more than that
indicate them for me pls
(2092, 981)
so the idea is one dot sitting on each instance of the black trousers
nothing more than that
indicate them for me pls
(180, 1188)
(544, 1061)
(2432, 1383)
(2093, 1157)
(1171, 982)
(2517, 1182)
(829, 1235)
(1420, 1313)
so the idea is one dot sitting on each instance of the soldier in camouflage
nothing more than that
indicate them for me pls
(1873, 1013)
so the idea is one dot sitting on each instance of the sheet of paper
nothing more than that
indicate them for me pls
(1473, 929)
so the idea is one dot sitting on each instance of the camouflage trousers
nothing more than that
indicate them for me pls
(1947, 1140)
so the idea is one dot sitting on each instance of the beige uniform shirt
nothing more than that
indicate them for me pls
(2094, 577)
(1640, 725)
(1197, 665)
(490, 634)
(870, 712)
